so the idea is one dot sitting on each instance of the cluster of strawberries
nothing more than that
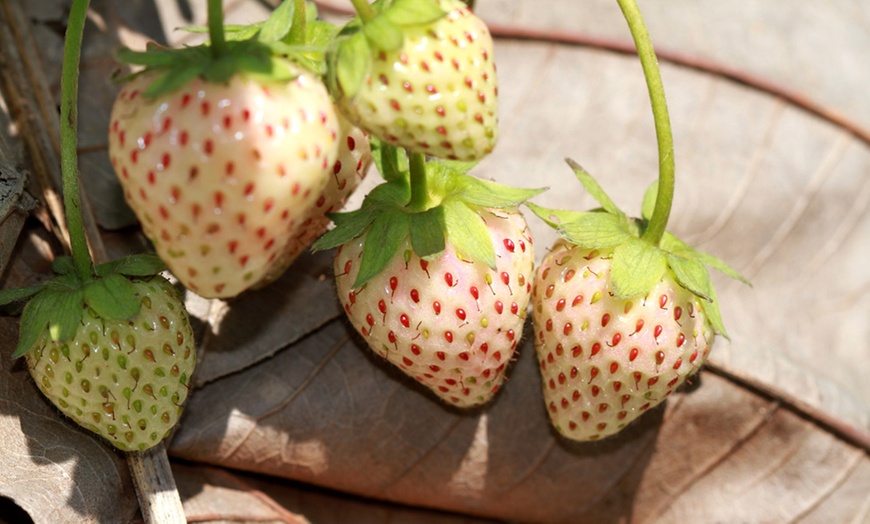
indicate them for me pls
(235, 155)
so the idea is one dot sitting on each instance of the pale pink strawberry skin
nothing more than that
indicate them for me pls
(605, 361)
(349, 169)
(222, 176)
(453, 325)
(438, 94)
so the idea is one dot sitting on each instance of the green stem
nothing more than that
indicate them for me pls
(419, 188)
(364, 10)
(69, 140)
(216, 27)
(665, 196)
(300, 19)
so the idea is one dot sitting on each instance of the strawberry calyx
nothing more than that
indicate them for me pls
(265, 51)
(379, 27)
(57, 305)
(637, 265)
(454, 201)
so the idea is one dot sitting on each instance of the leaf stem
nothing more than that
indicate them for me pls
(216, 27)
(665, 196)
(69, 140)
(419, 187)
(364, 9)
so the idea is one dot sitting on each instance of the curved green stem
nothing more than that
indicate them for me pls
(665, 196)
(419, 187)
(216, 27)
(364, 10)
(69, 140)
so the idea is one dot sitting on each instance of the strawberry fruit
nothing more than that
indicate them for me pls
(438, 287)
(222, 176)
(224, 153)
(450, 323)
(620, 324)
(114, 351)
(420, 74)
(349, 169)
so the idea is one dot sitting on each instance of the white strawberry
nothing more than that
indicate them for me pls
(450, 323)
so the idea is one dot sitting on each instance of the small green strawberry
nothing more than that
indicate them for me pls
(114, 352)
(620, 323)
(438, 286)
(111, 346)
(420, 74)
(223, 154)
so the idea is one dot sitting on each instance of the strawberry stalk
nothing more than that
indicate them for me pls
(419, 186)
(365, 11)
(665, 194)
(216, 28)
(69, 140)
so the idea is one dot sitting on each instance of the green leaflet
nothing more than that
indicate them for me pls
(596, 230)
(113, 297)
(484, 193)
(467, 233)
(636, 267)
(427, 232)
(387, 233)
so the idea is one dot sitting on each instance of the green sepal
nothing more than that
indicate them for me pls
(427, 232)
(691, 274)
(555, 217)
(714, 316)
(278, 25)
(467, 233)
(382, 34)
(113, 297)
(672, 244)
(596, 230)
(34, 320)
(414, 12)
(63, 265)
(67, 317)
(347, 227)
(595, 189)
(484, 193)
(384, 237)
(139, 265)
(390, 161)
(353, 58)
(8, 296)
(649, 200)
(636, 268)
